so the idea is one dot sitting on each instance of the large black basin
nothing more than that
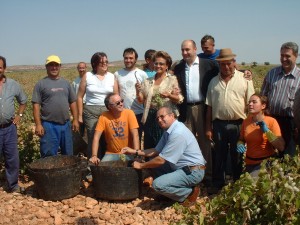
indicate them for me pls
(114, 180)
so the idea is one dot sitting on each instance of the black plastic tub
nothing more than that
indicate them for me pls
(115, 180)
(57, 177)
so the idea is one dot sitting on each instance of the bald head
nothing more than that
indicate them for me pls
(189, 51)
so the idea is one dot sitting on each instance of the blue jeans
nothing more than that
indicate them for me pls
(177, 185)
(225, 135)
(114, 157)
(56, 136)
(9, 149)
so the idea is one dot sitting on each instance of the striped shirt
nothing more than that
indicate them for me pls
(280, 88)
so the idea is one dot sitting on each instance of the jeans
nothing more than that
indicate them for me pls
(114, 157)
(177, 185)
(9, 149)
(91, 114)
(56, 136)
(225, 135)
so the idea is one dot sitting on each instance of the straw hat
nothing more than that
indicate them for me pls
(225, 54)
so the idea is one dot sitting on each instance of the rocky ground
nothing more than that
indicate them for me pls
(27, 208)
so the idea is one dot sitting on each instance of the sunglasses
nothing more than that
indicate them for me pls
(103, 63)
(118, 102)
(159, 63)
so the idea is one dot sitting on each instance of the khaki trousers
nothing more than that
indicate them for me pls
(195, 121)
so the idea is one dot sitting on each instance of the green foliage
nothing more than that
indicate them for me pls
(273, 198)
(267, 63)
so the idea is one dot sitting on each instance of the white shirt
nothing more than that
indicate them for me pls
(96, 90)
(192, 82)
(127, 80)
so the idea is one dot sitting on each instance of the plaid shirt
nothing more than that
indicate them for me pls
(280, 89)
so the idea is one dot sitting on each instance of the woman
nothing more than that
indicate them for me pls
(154, 92)
(95, 85)
(260, 133)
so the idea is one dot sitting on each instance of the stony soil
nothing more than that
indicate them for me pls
(27, 208)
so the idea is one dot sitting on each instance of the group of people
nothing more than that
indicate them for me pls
(191, 116)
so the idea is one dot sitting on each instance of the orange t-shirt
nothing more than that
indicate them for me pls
(258, 145)
(117, 131)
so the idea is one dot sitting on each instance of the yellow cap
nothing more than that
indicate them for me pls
(53, 58)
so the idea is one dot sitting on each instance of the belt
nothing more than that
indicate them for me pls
(200, 167)
(5, 125)
(195, 103)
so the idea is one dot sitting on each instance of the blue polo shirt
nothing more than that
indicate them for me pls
(179, 147)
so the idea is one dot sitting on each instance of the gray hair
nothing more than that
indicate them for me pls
(171, 108)
(290, 45)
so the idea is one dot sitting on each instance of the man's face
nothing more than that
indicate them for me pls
(287, 59)
(164, 118)
(227, 67)
(188, 51)
(53, 69)
(116, 104)
(81, 69)
(2, 69)
(208, 47)
(129, 60)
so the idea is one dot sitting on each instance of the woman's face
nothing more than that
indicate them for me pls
(160, 65)
(103, 65)
(255, 105)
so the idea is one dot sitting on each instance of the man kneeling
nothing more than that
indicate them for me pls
(176, 162)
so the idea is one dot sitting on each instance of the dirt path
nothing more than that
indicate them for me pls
(82, 209)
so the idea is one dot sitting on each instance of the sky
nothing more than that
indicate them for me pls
(76, 29)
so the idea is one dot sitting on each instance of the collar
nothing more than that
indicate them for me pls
(171, 128)
(196, 62)
(292, 72)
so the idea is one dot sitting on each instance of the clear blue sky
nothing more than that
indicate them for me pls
(76, 29)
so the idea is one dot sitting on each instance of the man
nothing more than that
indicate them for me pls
(208, 48)
(52, 98)
(177, 160)
(127, 78)
(193, 76)
(280, 86)
(120, 128)
(81, 68)
(9, 91)
(148, 67)
(226, 101)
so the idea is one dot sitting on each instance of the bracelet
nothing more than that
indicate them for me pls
(94, 156)
(136, 153)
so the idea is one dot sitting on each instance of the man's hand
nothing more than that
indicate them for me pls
(39, 130)
(136, 165)
(209, 135)
(263, 126)
(17, 120)
(75, 125)
(95, 160)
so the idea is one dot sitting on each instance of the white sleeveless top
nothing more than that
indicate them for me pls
(96, 90)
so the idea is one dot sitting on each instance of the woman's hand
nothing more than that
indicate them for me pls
(95, 160)
(128, 151)
(165, 94)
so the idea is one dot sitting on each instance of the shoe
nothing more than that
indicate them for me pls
(192, 198)
(148, 181)
(18, 189)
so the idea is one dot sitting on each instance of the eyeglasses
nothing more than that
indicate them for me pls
(162, 116)
(103, 63)
(159, 63)
(118, 102)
